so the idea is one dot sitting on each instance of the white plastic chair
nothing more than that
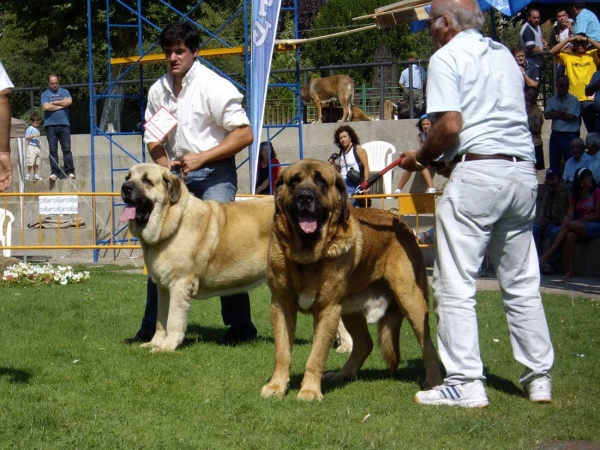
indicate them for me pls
(380, 155)
(5, 236)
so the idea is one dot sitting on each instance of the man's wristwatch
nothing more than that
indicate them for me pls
(419, 166)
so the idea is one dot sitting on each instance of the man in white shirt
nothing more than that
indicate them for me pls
(419, 81)
(212, 127)
(5, 166)
(488, 206)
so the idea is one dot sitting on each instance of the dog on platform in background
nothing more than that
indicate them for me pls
(324, 90)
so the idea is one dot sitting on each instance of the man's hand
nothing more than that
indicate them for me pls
(6, 175)
(191, 162)
(410, 161)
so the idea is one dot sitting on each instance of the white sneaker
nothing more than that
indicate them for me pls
(37, 177)
(467, 395)
(539, 390)
(430, 191)
(27, 177)
(398, 191)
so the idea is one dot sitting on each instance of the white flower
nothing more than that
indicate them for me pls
(45, 274)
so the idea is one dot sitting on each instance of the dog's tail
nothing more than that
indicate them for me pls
(388, 336)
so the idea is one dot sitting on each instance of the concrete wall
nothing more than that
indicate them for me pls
(317, 143)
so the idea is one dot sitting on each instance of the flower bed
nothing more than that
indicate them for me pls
(23, 273)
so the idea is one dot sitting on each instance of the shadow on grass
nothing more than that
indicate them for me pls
(197, 333)
(503, 385)
(412, 371)
(15, 375)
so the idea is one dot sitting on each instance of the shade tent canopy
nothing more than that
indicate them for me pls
(416, 12)
(512, 7)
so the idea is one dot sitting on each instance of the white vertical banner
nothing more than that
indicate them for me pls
(265, 16)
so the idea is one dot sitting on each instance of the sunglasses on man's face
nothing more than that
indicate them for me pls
(429, 22)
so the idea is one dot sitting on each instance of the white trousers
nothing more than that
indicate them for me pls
(489, 205)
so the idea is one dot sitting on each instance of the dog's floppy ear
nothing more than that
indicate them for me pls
(341, 187)
(173, 184)
(278, 186)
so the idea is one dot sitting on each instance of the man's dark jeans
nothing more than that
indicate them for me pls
(62, 133)
(560, 149)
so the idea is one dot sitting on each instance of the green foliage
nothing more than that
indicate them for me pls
(67, 381)
(336, 16)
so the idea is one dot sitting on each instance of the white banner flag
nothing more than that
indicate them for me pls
(265, 15)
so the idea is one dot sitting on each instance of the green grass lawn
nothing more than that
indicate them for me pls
(67, 381)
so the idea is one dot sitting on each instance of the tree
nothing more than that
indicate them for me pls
(360, 47)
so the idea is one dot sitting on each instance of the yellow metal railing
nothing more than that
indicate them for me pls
(408, 204)
(99, 226)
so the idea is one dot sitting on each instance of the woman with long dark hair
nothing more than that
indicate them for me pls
(352, 158)
(582, 219)
(423, 125)
(266, 153)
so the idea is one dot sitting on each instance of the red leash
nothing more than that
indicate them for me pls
(362, 187)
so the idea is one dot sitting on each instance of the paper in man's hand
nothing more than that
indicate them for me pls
(161, 123)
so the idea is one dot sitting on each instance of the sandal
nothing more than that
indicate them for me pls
(546, 268)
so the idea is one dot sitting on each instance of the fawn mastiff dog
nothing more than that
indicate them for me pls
(329, 260)
(193, 248)
(325, 90)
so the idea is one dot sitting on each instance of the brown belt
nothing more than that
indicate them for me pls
(476, 157)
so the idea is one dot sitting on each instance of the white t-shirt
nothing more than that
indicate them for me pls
(207, 109)
(480, 79)
(347, 162)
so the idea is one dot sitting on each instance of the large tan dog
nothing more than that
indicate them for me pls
(325, 90)
(327, 259)
(193, 248)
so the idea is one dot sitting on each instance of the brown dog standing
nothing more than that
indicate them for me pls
(325, 90)
(329, 260)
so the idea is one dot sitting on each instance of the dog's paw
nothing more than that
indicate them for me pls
(273, 390)
(169, 346)
(339, 377)
(310, 395)
(344, 348)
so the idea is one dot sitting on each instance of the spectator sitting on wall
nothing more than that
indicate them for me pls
(554, 208)
(424, 124)
(582, 220)
(592, 143)
(579, 160)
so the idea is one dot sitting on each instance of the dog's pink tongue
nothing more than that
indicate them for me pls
(127, 214)
(308, 224)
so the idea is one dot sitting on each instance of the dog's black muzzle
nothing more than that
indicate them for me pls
(131, 195)
(305, 202)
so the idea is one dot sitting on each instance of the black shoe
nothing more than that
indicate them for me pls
(140, 338)
(237, 336)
